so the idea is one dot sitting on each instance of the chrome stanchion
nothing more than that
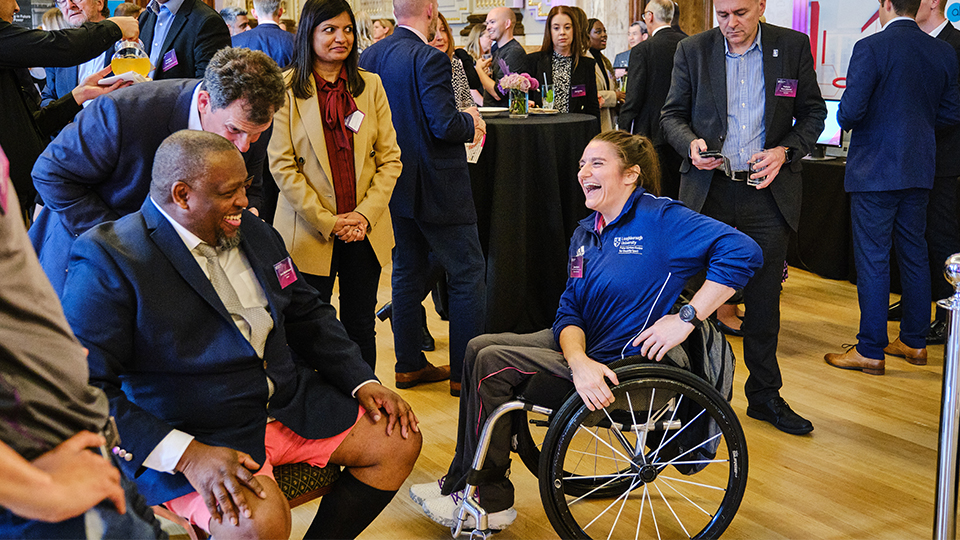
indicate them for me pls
(945, 520)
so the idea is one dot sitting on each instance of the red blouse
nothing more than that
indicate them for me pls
(336, 104)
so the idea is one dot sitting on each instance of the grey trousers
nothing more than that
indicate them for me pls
(493, 366)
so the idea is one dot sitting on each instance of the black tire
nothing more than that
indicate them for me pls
(598, 452)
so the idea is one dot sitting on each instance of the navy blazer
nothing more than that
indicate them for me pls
(169, 356)
(276, 42)
(62, 80)
(99, 167)
(196, 34)
(648, 82)
(434, 185)
(893, 112)
(696, 108)
(948, 138)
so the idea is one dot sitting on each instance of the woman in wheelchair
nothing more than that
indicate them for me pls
(628, 263)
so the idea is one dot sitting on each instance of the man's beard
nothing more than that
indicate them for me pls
(225, 243)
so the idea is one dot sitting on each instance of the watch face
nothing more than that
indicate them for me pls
(687, 313)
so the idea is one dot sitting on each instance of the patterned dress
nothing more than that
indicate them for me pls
(461, 86)
(562, 70)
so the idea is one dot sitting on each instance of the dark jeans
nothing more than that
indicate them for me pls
(102, 521)
(943, 234)
(457, 249)
(755, 213)
(356, 266)
(879, 218)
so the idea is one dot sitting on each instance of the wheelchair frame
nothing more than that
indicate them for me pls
(635, 378)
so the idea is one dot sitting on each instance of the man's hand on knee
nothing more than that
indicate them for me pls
(218, 474)
(375, 396)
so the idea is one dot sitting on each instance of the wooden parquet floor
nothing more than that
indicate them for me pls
(867, 471)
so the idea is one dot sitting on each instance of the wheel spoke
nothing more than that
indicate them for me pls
(674, 460)
(669, 485)
(619, 453)
(670, 507)
(605, 510)
(698, 484)
(681, 430)
(664, 442)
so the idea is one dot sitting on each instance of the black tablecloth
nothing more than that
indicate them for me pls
(528, 204)
(823, 242)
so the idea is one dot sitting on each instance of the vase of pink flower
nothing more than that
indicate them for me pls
(519, 85)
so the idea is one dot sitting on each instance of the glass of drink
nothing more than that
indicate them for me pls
(547, 93)
(130, 56)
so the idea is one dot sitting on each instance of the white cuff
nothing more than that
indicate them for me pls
(167, 454)
(354, 393)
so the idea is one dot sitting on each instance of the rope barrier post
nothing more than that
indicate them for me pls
(945, 520)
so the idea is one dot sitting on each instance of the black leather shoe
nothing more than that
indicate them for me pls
(385, 312)
(895, 312)
(938, 333)
(426, 340)
(728, 330)
(777, 412)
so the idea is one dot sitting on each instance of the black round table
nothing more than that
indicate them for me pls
(528, 204)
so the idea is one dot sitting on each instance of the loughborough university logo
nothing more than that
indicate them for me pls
(629, 245)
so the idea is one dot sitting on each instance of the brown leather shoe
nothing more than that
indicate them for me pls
(427, 374)
(854, 360)
(917, 357)
(454, 389)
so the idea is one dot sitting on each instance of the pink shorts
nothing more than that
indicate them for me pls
(283, 446)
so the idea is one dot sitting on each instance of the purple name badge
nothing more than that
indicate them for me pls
(579, 90)
(285, 273)
(170, 60)
(786, 88)
(576, 266)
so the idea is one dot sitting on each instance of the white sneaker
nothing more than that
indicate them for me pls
(443, 510)
(422, 492)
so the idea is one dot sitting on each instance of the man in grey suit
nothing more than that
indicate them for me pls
(768, 81)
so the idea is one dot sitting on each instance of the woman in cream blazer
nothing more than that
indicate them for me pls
(333, 105)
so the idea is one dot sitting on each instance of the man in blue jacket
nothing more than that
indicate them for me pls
(432, 205)
(901, 86)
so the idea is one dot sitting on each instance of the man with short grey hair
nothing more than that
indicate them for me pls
(268, 36)
(98, 168)
(62, 80)
(236, 18)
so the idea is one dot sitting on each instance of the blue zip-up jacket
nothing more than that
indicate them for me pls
(636, 268)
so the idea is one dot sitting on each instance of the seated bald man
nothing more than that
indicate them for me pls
(219, 361)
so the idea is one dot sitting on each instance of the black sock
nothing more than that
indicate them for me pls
(347, 510)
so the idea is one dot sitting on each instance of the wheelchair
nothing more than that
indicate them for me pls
(667, 459)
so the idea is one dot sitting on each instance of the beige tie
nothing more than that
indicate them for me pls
(258, 318)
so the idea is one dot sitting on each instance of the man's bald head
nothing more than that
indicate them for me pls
(185, 157)
(500, 23)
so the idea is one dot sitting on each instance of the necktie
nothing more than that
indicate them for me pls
(154, 6)
(257, 317)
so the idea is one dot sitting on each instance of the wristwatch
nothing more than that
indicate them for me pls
(789, 153)
(688, 314)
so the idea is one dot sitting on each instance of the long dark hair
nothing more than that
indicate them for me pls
(314, 13)
(578, 46)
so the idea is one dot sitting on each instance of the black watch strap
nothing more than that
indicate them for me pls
(688, 314)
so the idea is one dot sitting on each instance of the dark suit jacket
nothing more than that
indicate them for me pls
(196, 34)
(99, 167)
(584, 73)
(168, 355)
(24, 127)
(948, 139)
(696, 108)
(434, 185)
(62, 80)
(648, 82)
(901, 85)
(276, 42)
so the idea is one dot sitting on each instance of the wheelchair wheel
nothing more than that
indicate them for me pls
(668, 455)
